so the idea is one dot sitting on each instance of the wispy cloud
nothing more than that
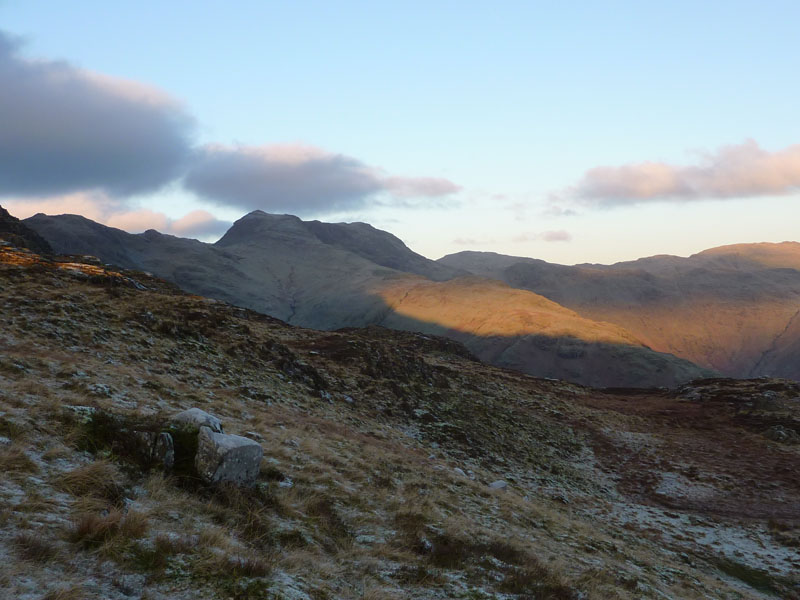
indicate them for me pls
(462, 241)
(544, 236)
(735, 171)
(299, 179)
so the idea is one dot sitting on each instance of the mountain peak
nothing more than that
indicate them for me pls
(257, 226)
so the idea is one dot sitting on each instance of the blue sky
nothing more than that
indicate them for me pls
(512, 103)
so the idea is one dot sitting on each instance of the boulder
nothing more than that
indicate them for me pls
(227, 458)
(194, 417)
(498, 485)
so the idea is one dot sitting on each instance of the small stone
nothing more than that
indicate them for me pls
(145, 442)
(100, 389)
(498, 485)
(222, 457)
(164, 451)
(194, 417)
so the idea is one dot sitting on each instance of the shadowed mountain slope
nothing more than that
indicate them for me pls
(16, 233)
(733, 309)
(328, 276)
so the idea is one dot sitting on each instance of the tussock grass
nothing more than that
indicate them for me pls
(34, 547)
(248, 510)
(100, 479)
(113, 528)
(14, 459)
(537, 581)
(75, 592)
(153, 556)
(322, 512)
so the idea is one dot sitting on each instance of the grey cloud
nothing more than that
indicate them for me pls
(297, 179)
(420, 186)
(65, 130)
(737, 171)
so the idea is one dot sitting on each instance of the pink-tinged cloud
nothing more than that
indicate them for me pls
(92, 205)
(115, 213)
(297, 179)
(138, 220)
(66, 130)
(544, 236)
(737, 171)
(462, 241)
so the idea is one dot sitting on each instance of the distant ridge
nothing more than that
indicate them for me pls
(335, 275)
(734, 309)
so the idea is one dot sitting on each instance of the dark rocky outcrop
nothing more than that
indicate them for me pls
(15, 232)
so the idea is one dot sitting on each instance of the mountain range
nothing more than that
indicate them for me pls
(658, 321)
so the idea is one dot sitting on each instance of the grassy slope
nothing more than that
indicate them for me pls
(358, 496)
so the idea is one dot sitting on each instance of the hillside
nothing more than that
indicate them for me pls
(328, 276)
(732, 309)
(395, 465)
(525, 331)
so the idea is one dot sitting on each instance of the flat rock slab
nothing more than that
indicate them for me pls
(194, 417)
(227, 458)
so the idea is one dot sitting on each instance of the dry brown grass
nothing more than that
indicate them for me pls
(373, 591)
(55, 452)
(100, 479)
(14, 459)
(113, 528)
(75, 592)
(34, 547)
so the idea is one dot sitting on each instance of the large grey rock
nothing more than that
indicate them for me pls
(221, 457)
(194, 417)
(498, 485)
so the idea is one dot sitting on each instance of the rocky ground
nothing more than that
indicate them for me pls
(395, 464)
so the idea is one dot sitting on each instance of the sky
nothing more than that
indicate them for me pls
(589, 131)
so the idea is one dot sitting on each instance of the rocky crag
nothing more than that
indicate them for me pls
(16, 233)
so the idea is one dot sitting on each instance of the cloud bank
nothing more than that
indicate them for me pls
(64, 130)
(75, 141)
(736, 171)
(298, 179)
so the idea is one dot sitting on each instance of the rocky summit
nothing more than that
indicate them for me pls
(156, 444)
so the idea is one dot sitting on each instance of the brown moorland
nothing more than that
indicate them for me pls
(380, 451)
